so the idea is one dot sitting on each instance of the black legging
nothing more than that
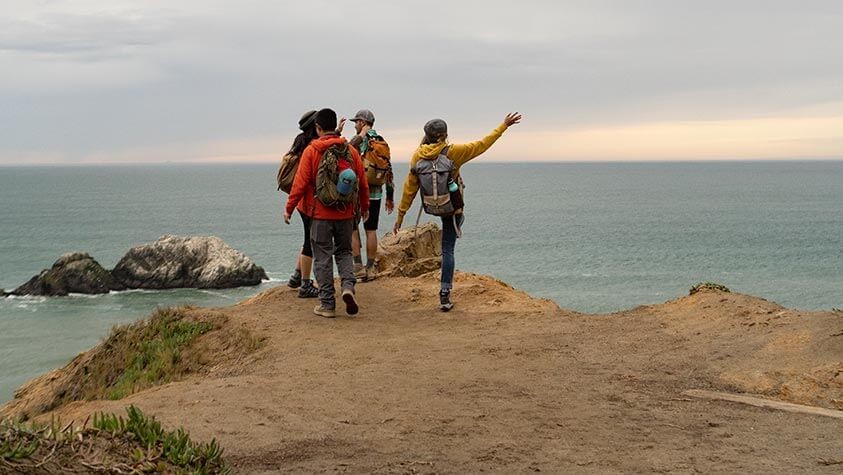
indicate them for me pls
(306, 250)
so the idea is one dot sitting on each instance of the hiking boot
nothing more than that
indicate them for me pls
(360, 272)
(308, 290)
(445, 304)
(324, 311)
(295, 280)
(371, 273)
(351, 307)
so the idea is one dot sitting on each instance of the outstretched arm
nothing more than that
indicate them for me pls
(462, 153)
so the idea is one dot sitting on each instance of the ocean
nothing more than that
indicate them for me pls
(594, 237)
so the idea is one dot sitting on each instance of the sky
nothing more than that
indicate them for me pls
(118, 81)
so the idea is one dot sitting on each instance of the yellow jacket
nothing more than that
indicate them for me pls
(460, 154)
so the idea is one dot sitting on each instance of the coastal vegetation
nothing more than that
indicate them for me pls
(708, 286)
(114, 444)
(146, 355)
(166, 347)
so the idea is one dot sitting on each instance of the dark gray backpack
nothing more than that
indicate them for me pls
(434, 177)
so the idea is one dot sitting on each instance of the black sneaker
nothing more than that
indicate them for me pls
(308, 290)
(295, 280)
(445, 301)
(351, 306)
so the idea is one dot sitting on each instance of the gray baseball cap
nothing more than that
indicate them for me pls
(365, 115)
(436, 128)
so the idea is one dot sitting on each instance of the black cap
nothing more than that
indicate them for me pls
(307, 120)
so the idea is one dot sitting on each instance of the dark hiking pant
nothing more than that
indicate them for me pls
(449, 241)
(329, 237)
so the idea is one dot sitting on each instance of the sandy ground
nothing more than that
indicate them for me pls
(508, 383)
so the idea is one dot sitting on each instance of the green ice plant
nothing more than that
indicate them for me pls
(174, 446)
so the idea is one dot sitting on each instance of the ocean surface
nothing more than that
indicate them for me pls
(593, 237)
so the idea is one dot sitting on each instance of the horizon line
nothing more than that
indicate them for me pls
(492, 161)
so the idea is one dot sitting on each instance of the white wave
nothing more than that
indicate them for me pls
(133, 291)
(85, 296)
(216, 294)
(28, 298)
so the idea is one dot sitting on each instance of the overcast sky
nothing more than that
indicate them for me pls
(188, 80)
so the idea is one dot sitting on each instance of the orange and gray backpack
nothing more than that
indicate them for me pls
(376, 160)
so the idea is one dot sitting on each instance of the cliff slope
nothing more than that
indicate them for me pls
(506, 382)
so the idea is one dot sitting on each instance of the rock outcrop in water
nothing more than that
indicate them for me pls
(75, 272)
(169, 263)
(187, 261)
(412, 252)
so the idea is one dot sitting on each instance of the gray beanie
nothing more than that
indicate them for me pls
(436, 128)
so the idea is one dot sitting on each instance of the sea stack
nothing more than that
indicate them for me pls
(75, 272)
(187, 261)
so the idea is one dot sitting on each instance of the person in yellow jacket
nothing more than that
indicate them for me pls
(436, 139)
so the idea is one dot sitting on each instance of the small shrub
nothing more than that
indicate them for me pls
(708, 286)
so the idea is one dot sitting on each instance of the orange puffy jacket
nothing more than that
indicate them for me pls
(304, 185)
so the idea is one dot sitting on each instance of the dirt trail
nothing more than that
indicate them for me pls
(508, 383)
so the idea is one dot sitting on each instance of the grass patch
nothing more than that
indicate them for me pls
(168, 346)
(708, 286)
(136, 356)
(136, 444)
(154, 354)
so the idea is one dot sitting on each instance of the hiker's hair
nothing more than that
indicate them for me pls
(302, 140)
(326, 119)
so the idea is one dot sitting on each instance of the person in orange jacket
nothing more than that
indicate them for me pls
(332, 227)
(434, 141)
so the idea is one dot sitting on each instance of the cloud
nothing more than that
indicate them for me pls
(97, 79)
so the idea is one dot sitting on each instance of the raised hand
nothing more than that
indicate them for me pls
(340, 126)
(512, 119)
